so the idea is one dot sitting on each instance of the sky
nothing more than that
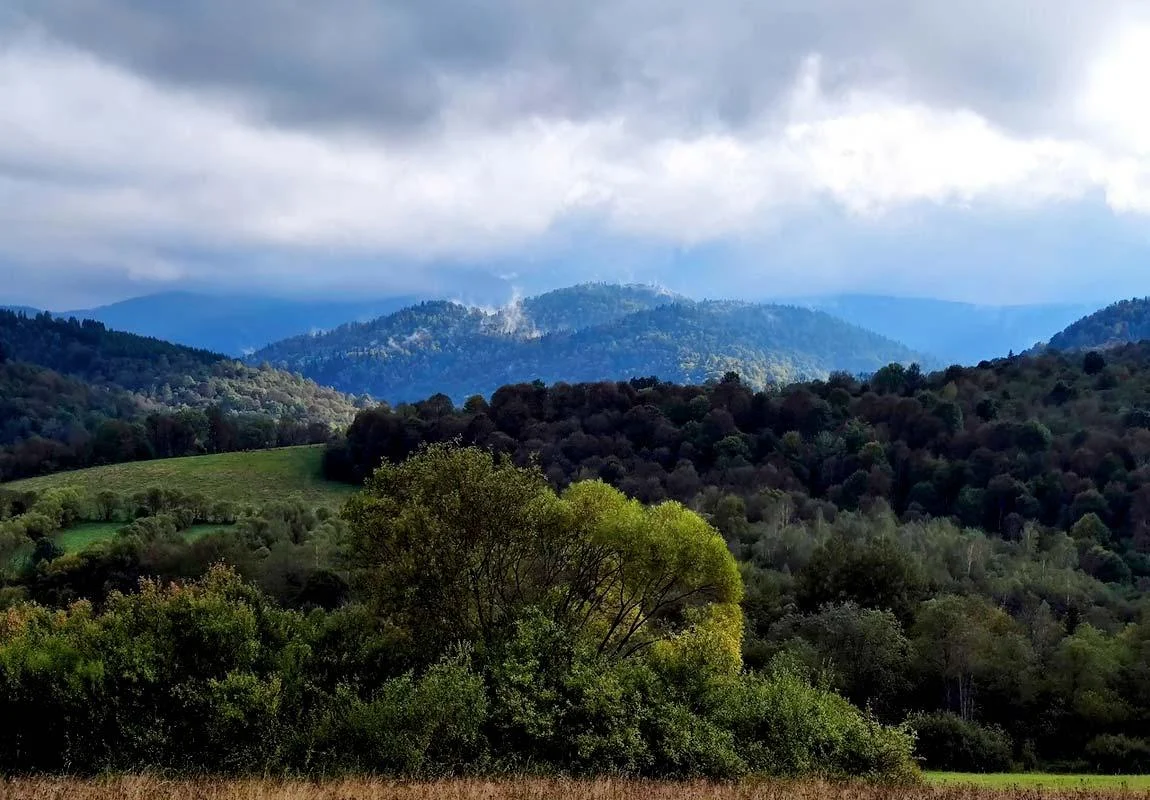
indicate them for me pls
(992, 151)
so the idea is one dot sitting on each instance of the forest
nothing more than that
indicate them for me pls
(488, 624)
(966, 550)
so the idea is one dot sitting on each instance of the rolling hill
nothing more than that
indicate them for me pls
(1120, 323)
(75, 394)
(161, 374)
(583, 333)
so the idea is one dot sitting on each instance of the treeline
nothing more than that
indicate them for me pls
(590, 634)
(1057, 439)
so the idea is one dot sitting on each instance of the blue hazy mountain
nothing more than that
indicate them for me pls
(231, 324)
(583, 333)
(953, 333)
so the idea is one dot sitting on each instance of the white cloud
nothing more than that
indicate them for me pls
(98, 165)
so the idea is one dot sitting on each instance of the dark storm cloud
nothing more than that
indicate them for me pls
(394, 64)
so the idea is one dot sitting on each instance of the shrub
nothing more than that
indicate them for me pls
(948, 742)
(784, 726)
(1120, 755)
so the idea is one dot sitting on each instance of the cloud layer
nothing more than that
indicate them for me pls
(380, 145)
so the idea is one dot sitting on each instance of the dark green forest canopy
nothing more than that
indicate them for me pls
(1050, 438)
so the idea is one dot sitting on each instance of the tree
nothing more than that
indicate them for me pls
(874, 574)
(454, 545)
(1093, 363)
(862, 653)
(968, 647)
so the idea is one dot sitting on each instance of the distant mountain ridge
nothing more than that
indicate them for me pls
(952, 332)
(231, 324)
(583, 333)
(1120, 323)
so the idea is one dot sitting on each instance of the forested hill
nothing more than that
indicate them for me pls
(74, 394)
(1048, 439)
(586, 333)
(1120, 323)
(159, 373)
(591, 304)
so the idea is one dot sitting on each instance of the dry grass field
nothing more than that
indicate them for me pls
(144, 788)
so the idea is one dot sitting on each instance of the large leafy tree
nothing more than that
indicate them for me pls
(454, 544)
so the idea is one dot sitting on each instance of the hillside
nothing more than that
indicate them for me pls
(75, 394)
(447, 348)
(952, 333)
(1117, 324)
(231, 324)
(161, 374)
(253, 478)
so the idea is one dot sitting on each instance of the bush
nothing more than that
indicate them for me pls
(1119, 755)
(784, 726)
(948, 742)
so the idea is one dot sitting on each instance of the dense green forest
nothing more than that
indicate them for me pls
(1121, 323)
(968, 549)
(74, 394)
(459, 617)
(587, 333)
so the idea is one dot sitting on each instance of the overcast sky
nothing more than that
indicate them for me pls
(987, 150)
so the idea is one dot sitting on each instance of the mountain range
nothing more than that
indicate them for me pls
(582, 333)
(946, 332)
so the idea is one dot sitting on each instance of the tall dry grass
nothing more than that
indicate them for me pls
(148, 788)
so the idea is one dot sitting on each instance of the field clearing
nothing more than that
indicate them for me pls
(146, 788)
(256, 477)
(1133, 783)
(77, 538)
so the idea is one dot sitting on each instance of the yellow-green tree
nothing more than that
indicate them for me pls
(454, 544)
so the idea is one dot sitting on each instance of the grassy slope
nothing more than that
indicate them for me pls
(1036, 780)
(256, 477)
